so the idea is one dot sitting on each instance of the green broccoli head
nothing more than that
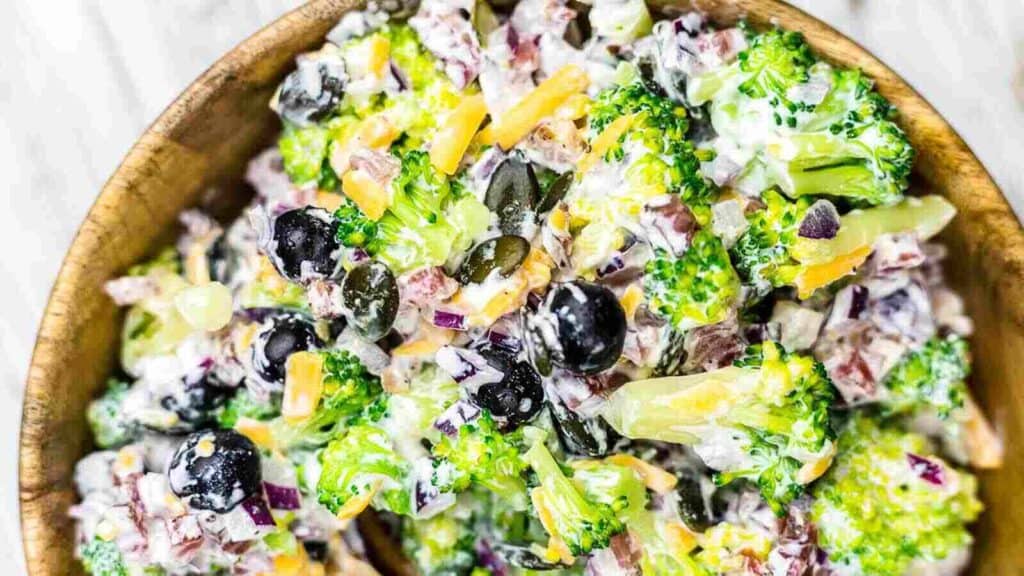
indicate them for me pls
(888, 503)
(362, 466)
(931, 378)
(245, 405)
(764, 248)
(658, 128)
(774, 63)
(355, 230)
(110, 427)
(102, 558)
(347, 389)
(481, 454)
(443, 545)
(765, 419)
(868, 164)
(696, 289)
(769, 110)
(576, 524)
(304, 153)
(429, 218)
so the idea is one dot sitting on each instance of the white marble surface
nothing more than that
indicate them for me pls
(80, 80)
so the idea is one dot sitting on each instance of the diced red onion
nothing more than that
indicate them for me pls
(467, 367)
(614, 265)
(428, 498)
(926, 469)
(358, 255)
(821, 221)
(451, 320)
(282, 497)
(456, 416)
(258, 511)
(489, 560)
(505, 341)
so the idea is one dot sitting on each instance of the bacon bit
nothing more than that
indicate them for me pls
(820, 275)
(451, 141)
(984, 447)
(366, 192)
(257, 431)
(604, 142)
(426, 286)
(354, 506)
(541, 102)
(128, 290)
(657, 479)
(304, 372)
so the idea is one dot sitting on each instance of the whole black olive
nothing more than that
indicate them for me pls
(196, 407)
(304, 243)
(512, 194)
(399, 9)
(504, 253)
(518, 397)
(580, 327)
(216, 470)
(315, 549)
(692, 507)
(583, 436)
(313, 90)
(286, 335)
(370, 295)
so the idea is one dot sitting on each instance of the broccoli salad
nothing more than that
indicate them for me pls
(549, 287)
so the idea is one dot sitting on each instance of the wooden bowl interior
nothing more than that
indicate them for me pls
(195, 154)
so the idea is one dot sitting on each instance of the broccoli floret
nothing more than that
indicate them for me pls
(244, 405)
(347, 389)
(443, 545)
(765, 419)
(576, 525)
(481, 454)
(868, 164)
(362, 466)
(304, 152)
(770, 114)
(696, 289)
(760, 252)
(888, 503)
(102, 558)
(110, 428)
(930, 378)
(426, 221)
(355, 230)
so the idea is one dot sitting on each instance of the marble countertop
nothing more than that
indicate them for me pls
(82, 82)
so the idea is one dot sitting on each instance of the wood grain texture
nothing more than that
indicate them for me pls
(205, 137)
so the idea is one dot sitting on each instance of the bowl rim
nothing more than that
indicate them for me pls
(55, 326)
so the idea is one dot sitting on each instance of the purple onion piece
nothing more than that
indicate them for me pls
(399, 74)
(858, 301)
(456, 416)
(613, 265)
(502, 340)
(282, 497)
(821, 221)
(451, 320)
(926, 469)
(428, 498)
(489, 560)
(258, 511)
(358, 255)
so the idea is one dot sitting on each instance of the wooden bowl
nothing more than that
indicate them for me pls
(203, 140)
